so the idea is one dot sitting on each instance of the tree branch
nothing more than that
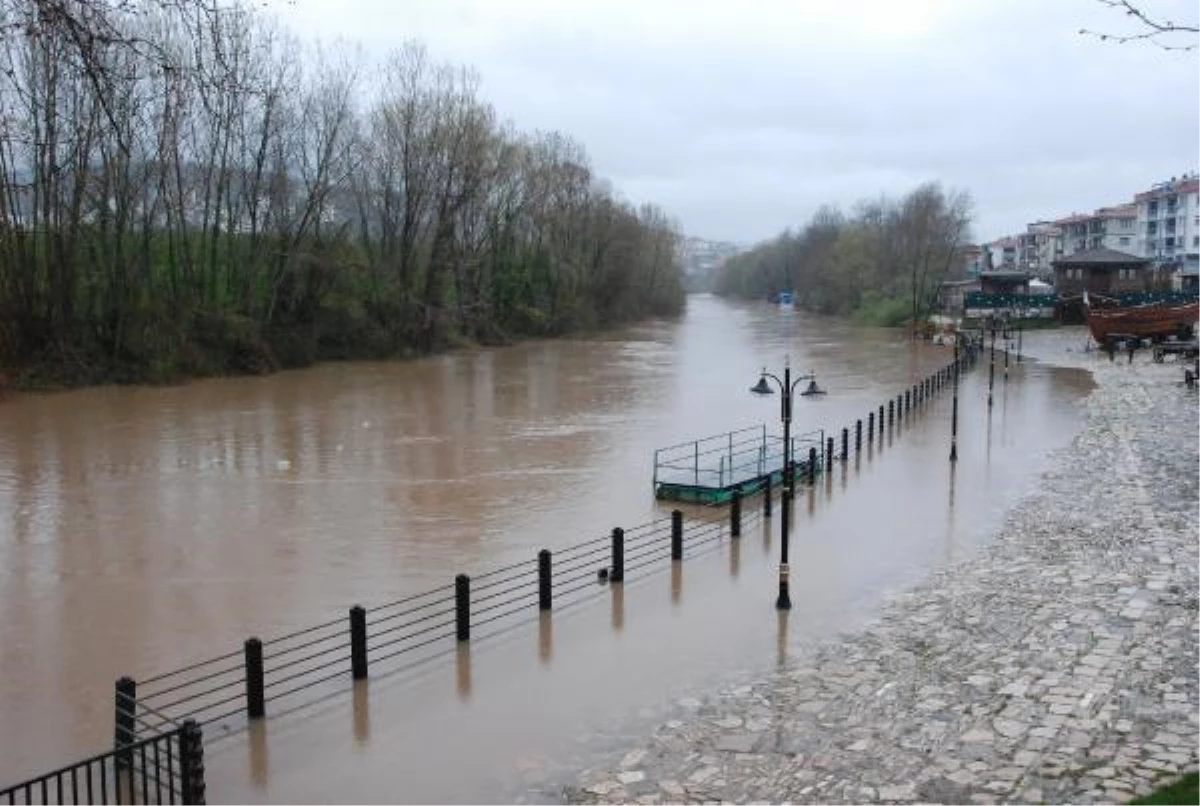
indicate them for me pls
(1154, 28)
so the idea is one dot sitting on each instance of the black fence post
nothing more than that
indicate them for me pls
(462, 607)
(812, 466)
(891, 412)
(255, 692)
(676, 535)
(617, 573)
(125, 710)
(858, 436)
(191, 764)
(358, 643)
(992, 368)
(829, 454)
(545, 601)
(735, 514)
(871, 426)
(907, 401)
(767, 495)
(845, 444)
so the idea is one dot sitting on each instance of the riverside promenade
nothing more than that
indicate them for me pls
(1058, 664)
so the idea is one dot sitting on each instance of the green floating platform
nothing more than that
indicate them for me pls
(709, 471)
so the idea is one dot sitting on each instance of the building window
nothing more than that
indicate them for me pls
(1123, 241)
(1196, 240)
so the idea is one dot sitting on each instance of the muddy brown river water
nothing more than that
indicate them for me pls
(145, 528)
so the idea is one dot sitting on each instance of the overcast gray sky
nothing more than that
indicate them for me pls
(741, 118)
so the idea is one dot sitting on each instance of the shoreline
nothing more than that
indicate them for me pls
(1057, 664)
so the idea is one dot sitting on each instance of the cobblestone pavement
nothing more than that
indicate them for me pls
(1058, 664)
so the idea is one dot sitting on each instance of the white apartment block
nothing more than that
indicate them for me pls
(1113, 228)
(1168, 222)
(1038, 247)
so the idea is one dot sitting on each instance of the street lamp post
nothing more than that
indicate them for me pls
(954, 410)
(787, 385)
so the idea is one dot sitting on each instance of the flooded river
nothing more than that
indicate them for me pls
(144, 528)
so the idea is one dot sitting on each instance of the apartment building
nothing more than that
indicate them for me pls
(1113, 228)
(1168, 222)
(1002, 253)
(1161, 225)
(1038, 247)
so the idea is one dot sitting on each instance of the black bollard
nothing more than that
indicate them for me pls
(954, 410)
(462, 607)
(845, 443)
(891, 413)
(871, 426)
(858, 436)
(617, 573)
(545, 575)
(256, 707)
(829, 454)
(735, 514)
(358, 643)
(676, 535)
(191, 763)
(812, 466)
(125, 712)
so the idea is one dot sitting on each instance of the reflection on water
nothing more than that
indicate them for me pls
(362, 711)
(141, 529)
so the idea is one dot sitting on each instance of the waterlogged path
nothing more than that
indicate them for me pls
(1057, 665)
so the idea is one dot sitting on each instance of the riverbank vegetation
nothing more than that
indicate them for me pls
(186, 190)
(880, 265)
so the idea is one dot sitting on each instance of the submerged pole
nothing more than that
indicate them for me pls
(954, 408)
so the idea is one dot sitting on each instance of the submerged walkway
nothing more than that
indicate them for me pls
(1059, 664)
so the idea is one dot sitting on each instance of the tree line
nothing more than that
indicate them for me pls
(185, 189)
(881, 264)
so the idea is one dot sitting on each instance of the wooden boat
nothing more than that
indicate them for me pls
(1148, 320)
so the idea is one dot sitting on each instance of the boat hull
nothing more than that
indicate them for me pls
(1145, 321)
